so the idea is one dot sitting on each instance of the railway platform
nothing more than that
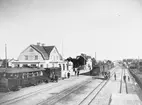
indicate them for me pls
(123, 90)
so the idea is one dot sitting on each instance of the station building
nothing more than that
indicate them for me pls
(44, 57)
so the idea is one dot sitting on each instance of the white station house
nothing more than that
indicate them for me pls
(42, 56)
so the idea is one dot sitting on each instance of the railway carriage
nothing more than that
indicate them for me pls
(11, 79)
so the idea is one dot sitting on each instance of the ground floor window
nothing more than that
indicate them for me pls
(41, 65)
(63, 66)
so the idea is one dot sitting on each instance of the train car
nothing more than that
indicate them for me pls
(11, 79)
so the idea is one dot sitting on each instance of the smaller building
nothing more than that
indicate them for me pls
(10, 62)
(89, 64)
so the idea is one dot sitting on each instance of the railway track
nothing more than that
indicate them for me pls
(19, 98)
(123, 83)
(55, 99)
(94, 93)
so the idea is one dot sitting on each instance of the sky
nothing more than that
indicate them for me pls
(111, 28)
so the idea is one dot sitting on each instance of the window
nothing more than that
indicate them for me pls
(26, 57)
(54, 58)
(67, 67)
(31, 50)
(41, 65)
(63, 66)
(41, 73)
(30, 74)
(33, 74)
(60, 65)
(37, 73)
(33, 65)
(36, 57)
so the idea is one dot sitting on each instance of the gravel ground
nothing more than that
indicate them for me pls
(26, 90)
(113, 86)
(76, 97)
(45, 94)
(103, 97)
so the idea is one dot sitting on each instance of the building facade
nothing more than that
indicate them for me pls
(42, 56)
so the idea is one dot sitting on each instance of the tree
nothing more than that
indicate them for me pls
(94, 62)
(74, 61)
(4, 63)
(81, 60)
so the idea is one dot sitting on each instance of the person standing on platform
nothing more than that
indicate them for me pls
(124, 78)
(128, 78)
(68, 74)
(115, 76)
(77, 72)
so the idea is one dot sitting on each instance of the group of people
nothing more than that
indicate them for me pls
(54, 77)
(76, 72)
(124, 77)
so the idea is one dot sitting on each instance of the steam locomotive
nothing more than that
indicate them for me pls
(100, 71)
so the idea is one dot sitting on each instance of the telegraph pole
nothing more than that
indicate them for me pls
(5, 57)
(95, 57)
(62, 49)
(138, 62)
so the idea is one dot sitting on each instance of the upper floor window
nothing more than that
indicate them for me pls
(36, 57)
(54, 51)
(26, 57)
(31, 50)
(51, 57)
(67, 66)
(54, 58)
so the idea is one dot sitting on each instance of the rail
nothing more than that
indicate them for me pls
(123, 84)
(19, 98)
(120, 91)
(54, 99)
(126, 84)
(101, 87)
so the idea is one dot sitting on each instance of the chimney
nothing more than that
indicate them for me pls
(38, 43)
(43, 44)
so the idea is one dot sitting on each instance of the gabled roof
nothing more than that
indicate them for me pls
(43, 50)
(48, 49)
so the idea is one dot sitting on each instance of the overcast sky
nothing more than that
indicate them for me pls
(111, 28)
